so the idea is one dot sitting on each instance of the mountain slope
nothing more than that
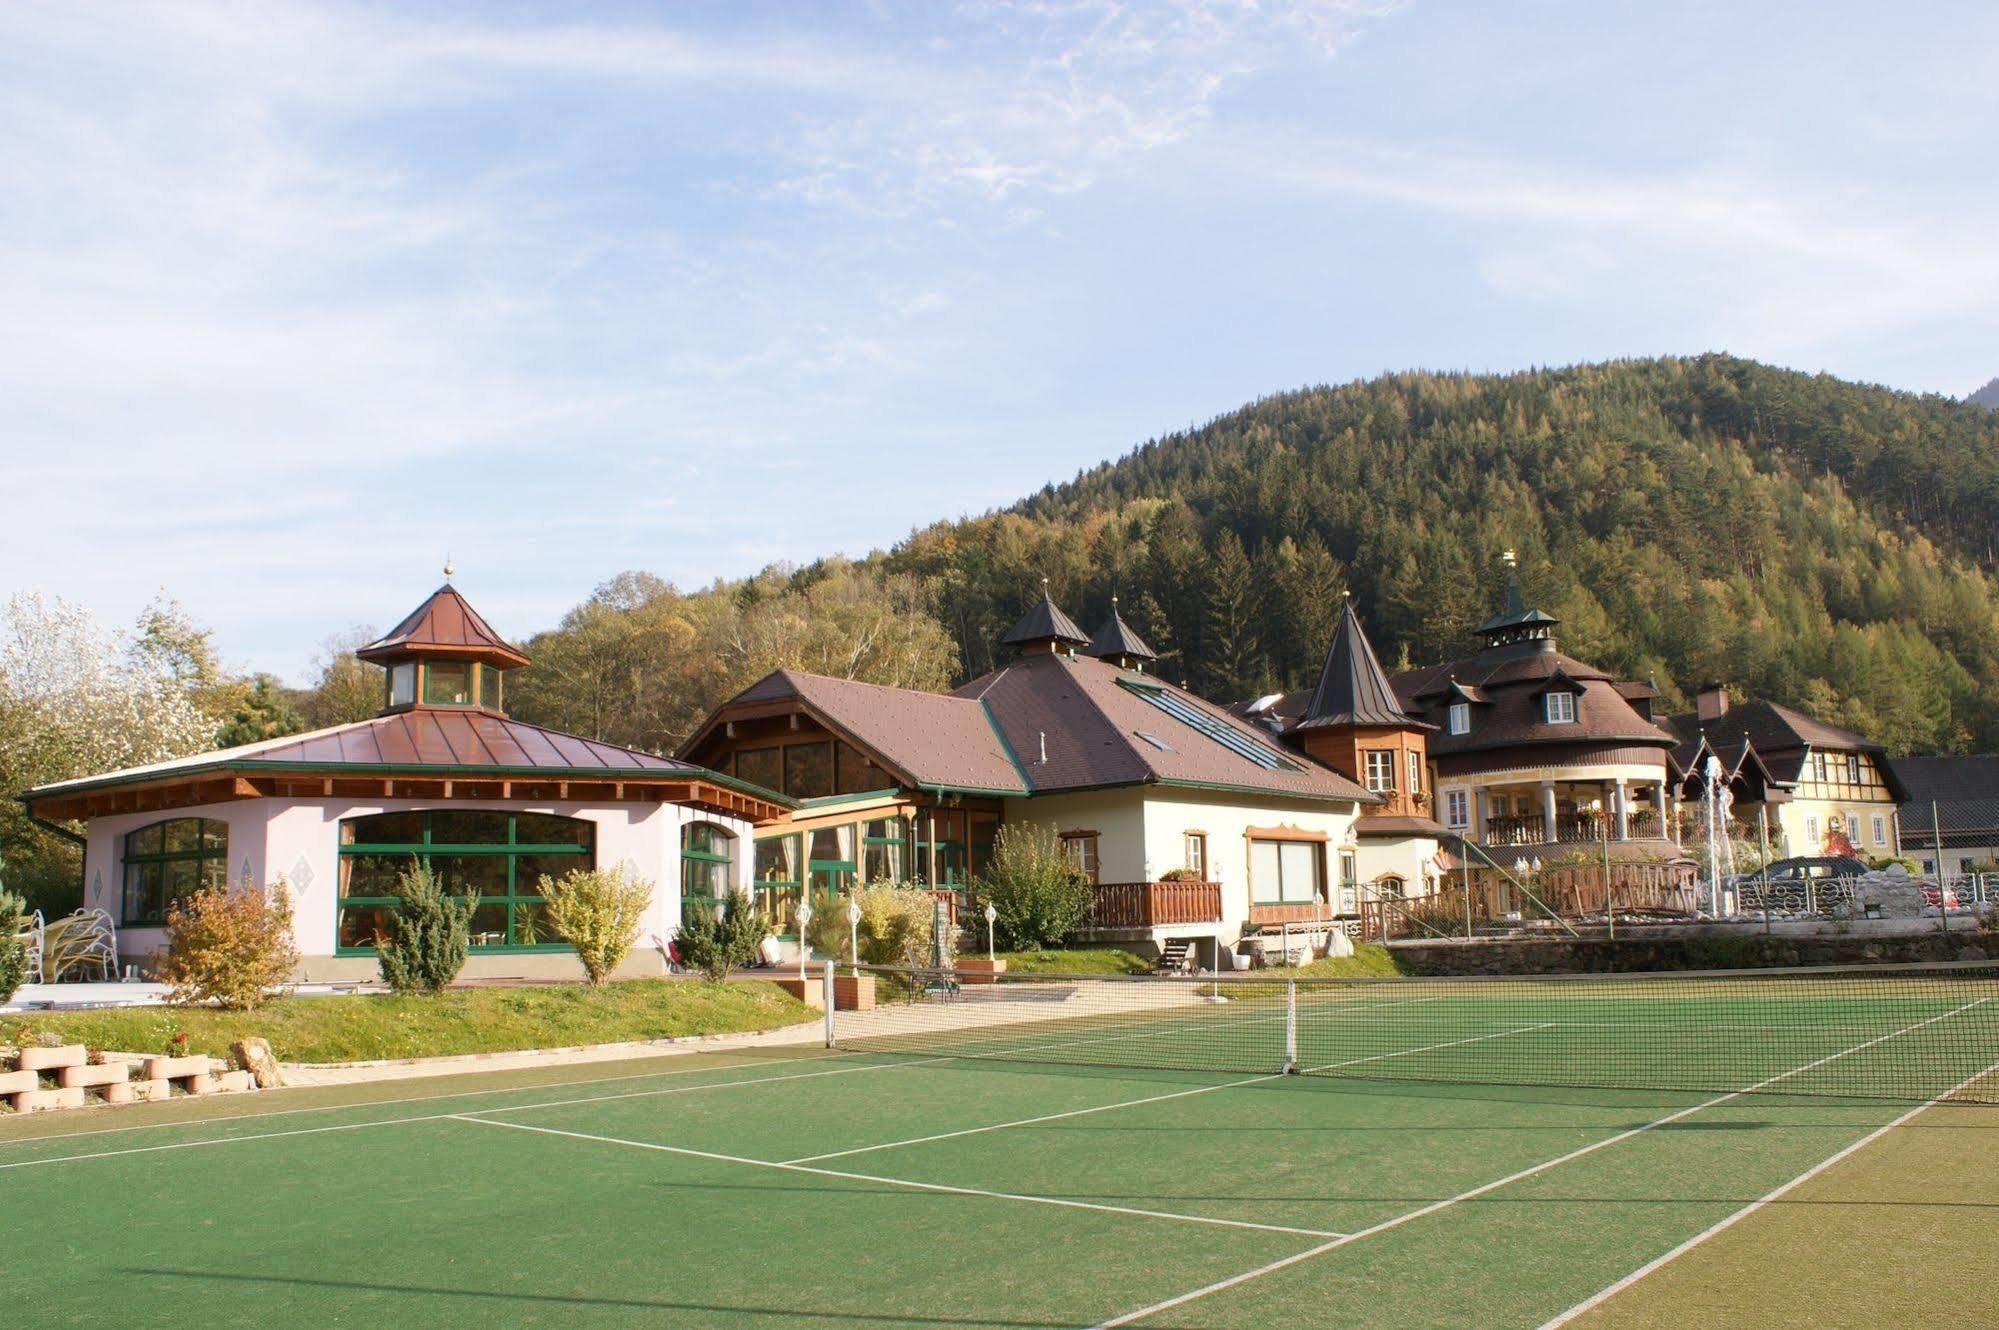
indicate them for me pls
(1822, 543)
(1987, 397)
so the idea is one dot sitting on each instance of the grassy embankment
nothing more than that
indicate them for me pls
(359, 1027)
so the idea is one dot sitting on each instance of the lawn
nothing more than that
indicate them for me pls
(360, 1027)
(1074, 960)
(1370, 960)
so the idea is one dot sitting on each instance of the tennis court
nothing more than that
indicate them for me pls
(1050, 1153)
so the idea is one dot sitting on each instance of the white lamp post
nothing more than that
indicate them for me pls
(804, 947)
(991, 915)
(854, 932)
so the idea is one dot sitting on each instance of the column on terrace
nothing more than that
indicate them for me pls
(1481, 814)
(1548, 811)
(1620, 796)
(1668, 825)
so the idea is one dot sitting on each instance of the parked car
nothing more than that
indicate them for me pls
(1819, 866)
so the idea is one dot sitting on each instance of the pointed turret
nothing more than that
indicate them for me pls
(1044, 628)
(1353, 689)
(1116, 643)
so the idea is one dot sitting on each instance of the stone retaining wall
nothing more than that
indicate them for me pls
(1707, 950)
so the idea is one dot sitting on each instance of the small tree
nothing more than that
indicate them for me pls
(428, 933)
(13, 951)
(717, 941)
(598, 912)
(232, 948)
(1040, 898)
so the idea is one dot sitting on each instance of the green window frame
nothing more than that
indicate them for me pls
(489, 687)
(779, 881)
(885, 843)
(168, 860)
(449, 683)
(707, 853)
(495, 855)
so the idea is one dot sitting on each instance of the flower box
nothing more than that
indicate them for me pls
(980, 971)
(809, 990)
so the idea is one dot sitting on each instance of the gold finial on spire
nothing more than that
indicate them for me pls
(448, 569)
(1508, 559)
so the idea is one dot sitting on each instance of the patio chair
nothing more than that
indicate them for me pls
(32, 936)
(83, 945)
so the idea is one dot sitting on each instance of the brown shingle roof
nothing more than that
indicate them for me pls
(1352, 689)
(1095, 720)
(444, 625)
(1509, 682)
(1781, 735)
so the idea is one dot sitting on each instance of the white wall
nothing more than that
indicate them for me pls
(298, 839)
(1141, 832)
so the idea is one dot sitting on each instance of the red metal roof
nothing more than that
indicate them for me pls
(444, 625)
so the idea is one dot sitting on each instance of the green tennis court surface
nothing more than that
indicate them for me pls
(947, 1173)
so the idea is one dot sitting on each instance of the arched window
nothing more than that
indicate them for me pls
(1390, 887)
(498, 856)
(169, 860)
(707, 853)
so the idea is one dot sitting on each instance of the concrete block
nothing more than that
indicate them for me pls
(172, 1069)
(49, 1059)
(40, 1101)
(233, 1081)
(111, 1073)
(13, 1082)
(143, 1091)
(123, 1092)
(202, 1084)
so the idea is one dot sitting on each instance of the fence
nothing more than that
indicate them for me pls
(1835, 897)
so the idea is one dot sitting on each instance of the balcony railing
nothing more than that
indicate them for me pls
(1152, 904)
(1570, 829)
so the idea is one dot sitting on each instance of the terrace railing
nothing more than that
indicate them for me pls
(1153, 904)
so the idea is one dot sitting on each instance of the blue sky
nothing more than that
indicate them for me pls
(295, 298)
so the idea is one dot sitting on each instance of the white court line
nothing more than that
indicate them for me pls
(1599, 1298)
(439, 1117)
(1149, 1099)
(425, 1098)
(1024, 1197)
(1448, 1202)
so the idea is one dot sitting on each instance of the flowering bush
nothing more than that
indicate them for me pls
(233, 948)
(598, 912)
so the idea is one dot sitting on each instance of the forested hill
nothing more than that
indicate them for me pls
(1815, 541)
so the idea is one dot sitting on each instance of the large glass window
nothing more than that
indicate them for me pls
(447, 683)
(489, 688)
(858, 772)
(499, 857)
(169, 860)
(829, 861)
(885, 850)
(780, 880)
(1284, 872)
(762, 766)
(808, 770)
(402, 683)
(707, 853)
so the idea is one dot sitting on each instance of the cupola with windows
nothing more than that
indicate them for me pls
(443, 654)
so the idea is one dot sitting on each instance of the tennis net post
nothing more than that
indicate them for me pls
(1290, 1026)
(826, 992)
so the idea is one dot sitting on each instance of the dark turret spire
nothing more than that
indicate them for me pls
(1044, 628)
(1118, 644)
(1517, 623)
(1353, 689)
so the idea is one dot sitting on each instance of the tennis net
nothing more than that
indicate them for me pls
(1915, 1033)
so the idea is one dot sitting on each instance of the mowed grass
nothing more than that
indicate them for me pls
(1075, 960)
(1370, 960)
(364, 1027)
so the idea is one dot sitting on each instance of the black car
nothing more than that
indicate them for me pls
(1819, 866)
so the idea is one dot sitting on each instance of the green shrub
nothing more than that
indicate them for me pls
(1039, 896)
(717, 941)
(428, 934)
(1882, 861)
(598, 912)
(232, 948)
(13, 952)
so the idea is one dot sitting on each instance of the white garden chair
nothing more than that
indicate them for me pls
(85, 943)
(32, 937)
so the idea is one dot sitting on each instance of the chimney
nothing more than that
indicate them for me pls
(1711, 702)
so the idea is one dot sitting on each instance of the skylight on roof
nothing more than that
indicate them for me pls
(1154, 740)
(1223, 733)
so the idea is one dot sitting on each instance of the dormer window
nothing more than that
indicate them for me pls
(1460, 718)
(1559, 708)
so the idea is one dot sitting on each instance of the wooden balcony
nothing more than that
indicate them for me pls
(1570, 829)
(1154, 904)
